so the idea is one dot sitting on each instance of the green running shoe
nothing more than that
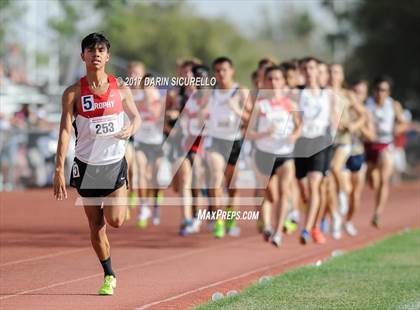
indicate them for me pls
(290, 227)
(110, 282)
(219, 229)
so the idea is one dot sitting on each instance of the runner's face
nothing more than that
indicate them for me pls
(311, 71)
(274, 80)
(136, 72)
(382, 92)
(223, 73)
(95, 57)
(361, 91)
(203, 76)
(337, 75)
(292, 78)
(324, 76)
(186, 72)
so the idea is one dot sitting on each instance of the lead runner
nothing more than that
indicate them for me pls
(95, 105)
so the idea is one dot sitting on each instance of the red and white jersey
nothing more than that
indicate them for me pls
(151, 128)
(98, 119)
(277, 113)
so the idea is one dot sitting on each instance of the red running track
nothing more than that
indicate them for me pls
(46, 261)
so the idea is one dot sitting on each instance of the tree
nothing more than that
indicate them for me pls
(389, 44)
(9, 12)
(160, 33)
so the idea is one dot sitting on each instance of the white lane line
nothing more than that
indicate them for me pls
(151, 262)
(242, 275)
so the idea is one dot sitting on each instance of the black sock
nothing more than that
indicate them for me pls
(106, 265)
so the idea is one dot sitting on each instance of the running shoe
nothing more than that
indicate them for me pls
(231, 226)
(110, 283)
(210, 225)
(276, 240)
(219, 229)
(196, 225)
(289, 227)
(186, 228)
(317, 236)
(294, 216)
(304, 237)
(156, 215)
(234, 231)
(267, 232)
(336, 229)
(143, 217)
(324, 226)
(350, 229)
(376, 221)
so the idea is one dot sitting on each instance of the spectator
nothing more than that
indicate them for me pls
(15, 65)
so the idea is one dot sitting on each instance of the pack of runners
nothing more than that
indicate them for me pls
(310, 141)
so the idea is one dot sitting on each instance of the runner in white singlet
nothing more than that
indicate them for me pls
(191, 169)
(97, 104)
(388, 121)
(148, 145)
(275, 126)
(229, 107)
(311, 148)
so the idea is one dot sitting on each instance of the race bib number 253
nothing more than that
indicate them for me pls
(104, 125)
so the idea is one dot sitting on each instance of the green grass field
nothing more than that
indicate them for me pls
(385, 275)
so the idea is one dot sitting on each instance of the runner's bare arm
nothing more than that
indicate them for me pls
(247, 104)
(252, 133)
(297, 121)
(401, 124)
(203, 113)
(335, 113)
(358, 108)
(131, 110)
(243, 106)
(68, 107)
(368, 129)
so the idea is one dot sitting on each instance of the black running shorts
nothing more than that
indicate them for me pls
(98, 180)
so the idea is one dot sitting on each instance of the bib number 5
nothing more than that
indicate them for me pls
(87, 103)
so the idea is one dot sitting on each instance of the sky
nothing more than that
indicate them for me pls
(33, 33)
(246, 14)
